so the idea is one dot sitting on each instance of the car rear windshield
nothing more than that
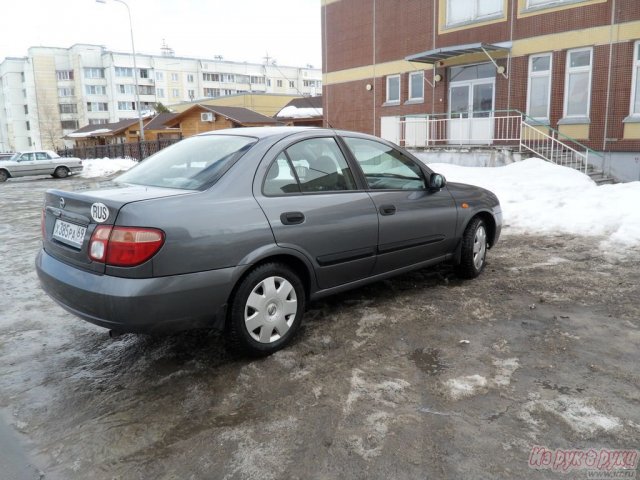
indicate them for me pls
(192, 164)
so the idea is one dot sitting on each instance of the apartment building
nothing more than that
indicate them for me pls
(571, 66)
(54, 91)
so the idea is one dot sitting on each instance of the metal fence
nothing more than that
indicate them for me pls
(134, 150)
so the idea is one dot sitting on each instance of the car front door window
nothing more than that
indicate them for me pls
(384, 167)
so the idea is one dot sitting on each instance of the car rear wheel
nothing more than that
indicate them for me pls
(474, 249)
(61, 172)
(3, 175)
(266, 310)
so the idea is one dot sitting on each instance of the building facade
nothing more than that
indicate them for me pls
(54, 91)
(572, 66)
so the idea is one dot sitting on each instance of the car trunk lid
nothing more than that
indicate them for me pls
(71, 217)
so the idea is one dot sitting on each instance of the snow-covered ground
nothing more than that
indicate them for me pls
(537, 197)
(103, 167)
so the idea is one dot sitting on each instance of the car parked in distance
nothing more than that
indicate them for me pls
(238, 229)
(38, 162)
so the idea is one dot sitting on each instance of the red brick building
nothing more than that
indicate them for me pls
(570, 65)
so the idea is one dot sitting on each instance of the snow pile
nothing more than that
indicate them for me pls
(539, 197)
(294, 112)
(103, 167)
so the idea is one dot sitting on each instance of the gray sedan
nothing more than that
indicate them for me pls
(239, 229)
(38, 162)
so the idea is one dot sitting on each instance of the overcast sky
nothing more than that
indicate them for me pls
(240, 30)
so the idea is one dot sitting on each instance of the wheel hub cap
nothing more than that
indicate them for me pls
(270, 309)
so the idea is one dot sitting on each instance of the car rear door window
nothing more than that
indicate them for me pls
(280, 178)
(384, 167)
(320, 166)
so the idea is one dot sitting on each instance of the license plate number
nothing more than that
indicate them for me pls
(69, 233)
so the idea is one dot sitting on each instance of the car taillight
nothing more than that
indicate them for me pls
(124, 246)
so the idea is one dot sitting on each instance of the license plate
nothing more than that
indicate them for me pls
(69, 233)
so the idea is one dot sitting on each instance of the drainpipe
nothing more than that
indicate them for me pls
(374, 67)
(606, 110)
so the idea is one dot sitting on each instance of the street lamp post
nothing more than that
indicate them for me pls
(135, 68)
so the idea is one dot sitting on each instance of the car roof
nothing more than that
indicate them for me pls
(267, 132)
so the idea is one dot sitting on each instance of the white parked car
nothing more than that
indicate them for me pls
(38, 162)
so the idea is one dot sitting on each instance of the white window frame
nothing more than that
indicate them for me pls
(175, 92)
(159, 76)
(396, 101)
(635, 81)
(174, 77)
(474, 18)
(551, 3)
(568, 72)
(411, 97)
(532, 74)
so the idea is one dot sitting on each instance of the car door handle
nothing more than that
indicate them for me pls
(387, 209)
(292, 218)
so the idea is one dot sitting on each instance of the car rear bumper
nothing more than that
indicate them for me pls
(146, 305)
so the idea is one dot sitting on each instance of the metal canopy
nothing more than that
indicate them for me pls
(440, 54)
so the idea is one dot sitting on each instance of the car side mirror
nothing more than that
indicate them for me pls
(437, 181)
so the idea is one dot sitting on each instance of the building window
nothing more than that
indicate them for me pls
(191, 94)
(22, 77)
(97, 121)
(549, 3)
(228, 92)
(212, 92)
(93, 73)
(258, 80)
(66, 92)
(126, 89)
(28, 125)
(146, 90)
(174, 77)
(68, 108)
(539, 93)
(190, 78)
(577, 88)
(69, 124)
(26, 109)
(126, 105)
(159, 76)
(466, 11)
(243, 78)
(279, 83)
(211, 77)
(97, 107)
(635, 87)
(393, 89)
(64, 74)
(292, 84)
(228, 78)
(144, 73)
(175, 92)
(268, 82)
(124, 72)
(160, 92)
(416, 86)
(95, 89)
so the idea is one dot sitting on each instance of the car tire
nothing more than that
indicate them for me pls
(474, 249)
(61, 172)
(266, 310)
(3, 175)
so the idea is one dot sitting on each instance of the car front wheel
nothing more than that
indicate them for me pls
(266, 310)
(3, 175)
(474, 249)
(61, 172)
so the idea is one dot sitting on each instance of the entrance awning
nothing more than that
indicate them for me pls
(445, 53)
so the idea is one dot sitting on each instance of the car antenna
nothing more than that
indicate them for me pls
(306, 98)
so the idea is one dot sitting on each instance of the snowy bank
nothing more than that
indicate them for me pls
(538, 197)
(103, 167)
